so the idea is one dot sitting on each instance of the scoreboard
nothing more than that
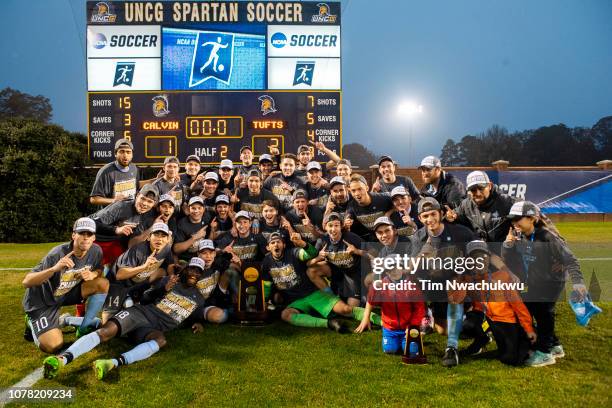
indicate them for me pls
(206, 78)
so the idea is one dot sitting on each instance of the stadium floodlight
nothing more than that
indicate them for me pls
(409, 110)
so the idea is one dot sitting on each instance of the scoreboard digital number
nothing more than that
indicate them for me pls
(206, 78)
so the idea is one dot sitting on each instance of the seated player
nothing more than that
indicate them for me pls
(305, 219)
(245, 246)
(339, 258)
(506, 314)
(213, 284)
(137, 268)
(165, 213)
(400, 309)
(191, 229)
(68, 274)
(284, 270)
(405, 217)
(116, 223)
(285, 184)
(223, 220)
(164, 308)
(317, 187)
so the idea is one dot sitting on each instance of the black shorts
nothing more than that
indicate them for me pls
(346, 285)
(132, 319)
(44, 319)
(115, 298)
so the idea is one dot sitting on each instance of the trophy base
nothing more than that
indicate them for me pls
(251, 319)
(414, 360)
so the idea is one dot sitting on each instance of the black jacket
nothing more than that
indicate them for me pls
(488, 220)
(450, 191)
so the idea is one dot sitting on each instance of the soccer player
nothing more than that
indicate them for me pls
(246, 156)
(304, 156)
(272, 222)
(118, 180)
(169, 183)
(388, 180)
(338, 197)
(116, 223)
(339, 258)
(485, 210)
(210, 192)
(284, 185)
(213, 284)
(68, 274)
(192, 171)
(542, 260)
(405, 217)
(137, 268)
(439, 184)
(442, 241)
(285, 270)
(317, 187)
(265, 165)
(365, 208)
(164, 308)
(251, 199)
(344, 169)
(226, 177)
(165, 213)
(305, 219)
(191, 229)
(222, 221)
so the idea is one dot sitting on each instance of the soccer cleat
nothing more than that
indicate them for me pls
(539, 359)
(478, 346)
(51, 366)
(27, 333)
(102, 367)
(557, 352)
(450, 358)
(62, 320)
(337, 326)
(82, 331)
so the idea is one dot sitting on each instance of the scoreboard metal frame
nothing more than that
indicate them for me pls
(211, 123)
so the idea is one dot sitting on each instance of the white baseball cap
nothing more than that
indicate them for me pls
(226, 163)
(476, 177)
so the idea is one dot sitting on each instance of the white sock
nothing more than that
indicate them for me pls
(141, 352)
(83, 345)
(74, 321)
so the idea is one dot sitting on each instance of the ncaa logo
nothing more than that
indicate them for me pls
(304, 71)
(212, 58)
(99, 41)
(124, 73)
(160, 106)
(103, 13)
(278, 40)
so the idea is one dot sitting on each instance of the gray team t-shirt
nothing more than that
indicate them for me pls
(52, 291)
(136, 256)
(112, 180)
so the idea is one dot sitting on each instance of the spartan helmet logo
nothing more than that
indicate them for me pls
(160, 106)
(267, 104)
(323, 9)
(102, 8)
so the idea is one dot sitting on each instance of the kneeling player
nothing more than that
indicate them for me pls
(213, 284)
(172, 301)
(68, 274)
(286, 269)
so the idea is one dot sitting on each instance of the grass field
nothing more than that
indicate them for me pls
(281, 365)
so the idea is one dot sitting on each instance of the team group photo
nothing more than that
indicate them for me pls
(228, 217)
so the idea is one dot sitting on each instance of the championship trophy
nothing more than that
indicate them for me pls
(414, 353)
(251, 301)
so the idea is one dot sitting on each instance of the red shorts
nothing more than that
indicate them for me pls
(111, 251)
